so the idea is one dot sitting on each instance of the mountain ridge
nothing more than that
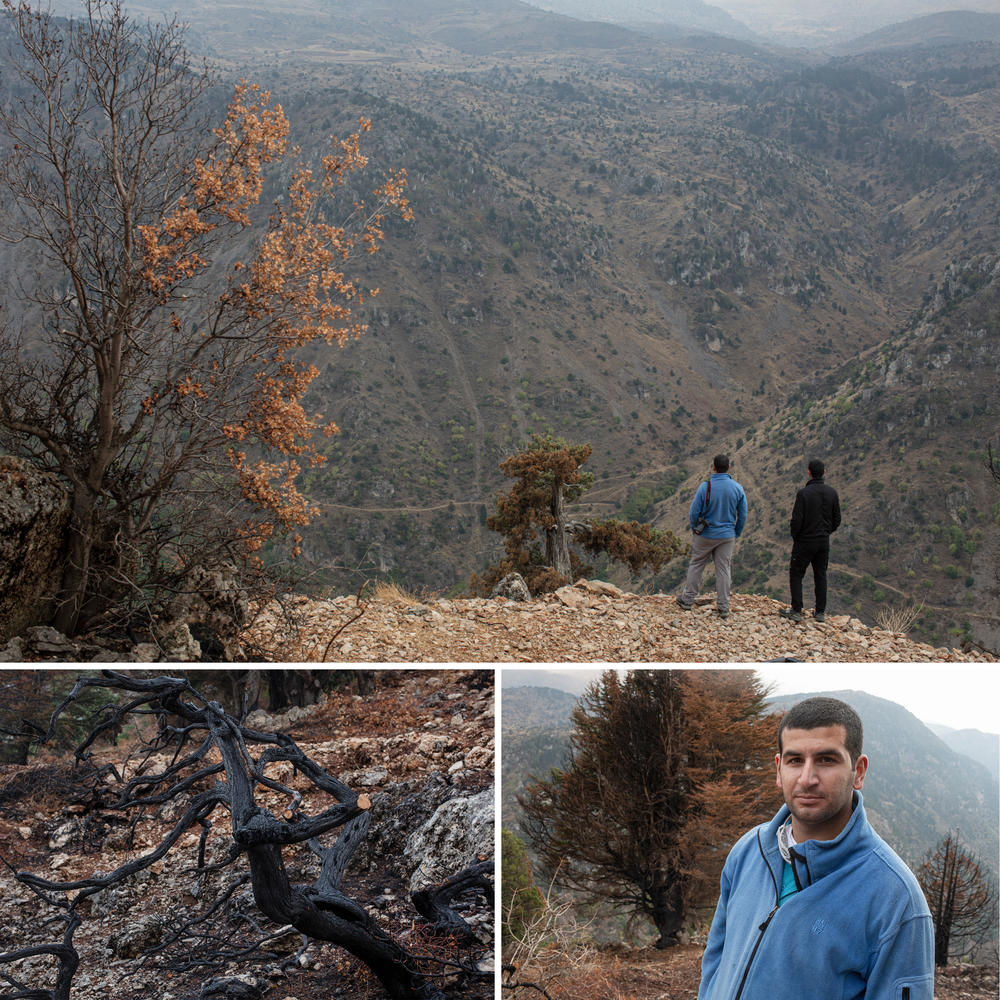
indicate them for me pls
(666, 248)
(916, 791)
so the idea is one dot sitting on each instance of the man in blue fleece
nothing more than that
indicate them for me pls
(717, 516)
(815, 905)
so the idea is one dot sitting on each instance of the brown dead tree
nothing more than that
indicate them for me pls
(206, 786)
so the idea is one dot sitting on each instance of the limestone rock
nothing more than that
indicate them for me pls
(134, 940)
(513, 588)
(458, 834)
(34, 512)
(247, 987)
(214, 608)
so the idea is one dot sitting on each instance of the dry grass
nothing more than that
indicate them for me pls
(898, 619)
(392, 593)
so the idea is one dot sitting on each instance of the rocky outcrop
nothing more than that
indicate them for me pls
(205, 619)
(512, 588)
(457, 835)
(588, 622)
(34, 513)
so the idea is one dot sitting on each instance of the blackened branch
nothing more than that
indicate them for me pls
(434, 903)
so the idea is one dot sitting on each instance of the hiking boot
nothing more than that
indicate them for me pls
(682, 605)
(819, 616)
(723, 614)
(791, 614)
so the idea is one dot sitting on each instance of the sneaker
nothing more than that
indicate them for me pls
(819, 616)
(791, 615)
(682, 605)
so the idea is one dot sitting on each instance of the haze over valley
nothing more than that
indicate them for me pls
(668, 242)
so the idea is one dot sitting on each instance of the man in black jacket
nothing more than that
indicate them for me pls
(815, 516)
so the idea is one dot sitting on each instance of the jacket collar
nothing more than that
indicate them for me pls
(820, 858)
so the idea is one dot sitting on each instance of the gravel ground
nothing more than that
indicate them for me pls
(584, 623)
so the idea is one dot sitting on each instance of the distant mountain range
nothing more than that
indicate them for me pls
(981, 747)
(659, 16)
(917, 790)
(955, 27)
(824, 23)
(662, 243)
(840, 27)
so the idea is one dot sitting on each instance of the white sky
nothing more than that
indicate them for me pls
(957, 695)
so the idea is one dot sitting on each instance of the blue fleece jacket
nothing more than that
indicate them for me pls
(858, 928)
(726, 512)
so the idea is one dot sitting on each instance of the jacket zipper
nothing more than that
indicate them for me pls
(763, 927)
(760, 937)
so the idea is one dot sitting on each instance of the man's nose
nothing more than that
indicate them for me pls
(809, 775)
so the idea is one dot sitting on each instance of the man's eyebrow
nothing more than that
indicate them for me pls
(826, 752)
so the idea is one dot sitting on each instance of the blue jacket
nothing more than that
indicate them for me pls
(858, 928)
(726, 512)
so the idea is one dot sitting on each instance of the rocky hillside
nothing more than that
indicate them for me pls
(665, 247)
(592, 621)
(420, 745)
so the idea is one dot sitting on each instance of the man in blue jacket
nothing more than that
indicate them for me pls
(815, 905)
(717, 516)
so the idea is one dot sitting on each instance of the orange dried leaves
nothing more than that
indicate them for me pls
(291, 291)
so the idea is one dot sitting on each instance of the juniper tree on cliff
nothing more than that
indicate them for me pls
(666, 769)
(155, 366)
(204, 771)
(538, 531)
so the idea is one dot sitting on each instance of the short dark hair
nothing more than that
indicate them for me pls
(816, 468)
(721, 463)
(813, 713)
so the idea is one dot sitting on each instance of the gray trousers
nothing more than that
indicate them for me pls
(720, 551)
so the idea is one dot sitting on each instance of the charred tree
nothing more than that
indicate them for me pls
(210, 764)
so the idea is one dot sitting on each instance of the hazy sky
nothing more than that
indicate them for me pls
(958, 695)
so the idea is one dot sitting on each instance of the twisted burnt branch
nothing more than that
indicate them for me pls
(434, 903)
(321, 911)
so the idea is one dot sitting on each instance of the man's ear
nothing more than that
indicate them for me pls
(777, 769)
(860, 770)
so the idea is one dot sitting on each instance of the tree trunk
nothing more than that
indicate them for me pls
(351, 928)
(668, 916)
(79, 544)
(556, 539)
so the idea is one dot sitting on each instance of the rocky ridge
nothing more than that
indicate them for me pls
(591, 621)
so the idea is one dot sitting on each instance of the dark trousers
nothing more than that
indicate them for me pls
(806, 552)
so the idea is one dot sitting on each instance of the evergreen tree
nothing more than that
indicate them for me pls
(667, 768)
(538, 532)
(521, 902)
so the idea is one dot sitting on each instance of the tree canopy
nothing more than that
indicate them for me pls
(156, 366)
(538, 532)
(667, 768)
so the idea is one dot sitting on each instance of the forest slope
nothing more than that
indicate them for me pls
(666, 248)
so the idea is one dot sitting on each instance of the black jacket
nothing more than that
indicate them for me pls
(816, 513)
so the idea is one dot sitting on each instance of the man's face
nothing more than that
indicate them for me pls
(817, 779)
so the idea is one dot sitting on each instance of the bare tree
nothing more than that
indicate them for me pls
(155, 366)
(204, 764)
(961, 895)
